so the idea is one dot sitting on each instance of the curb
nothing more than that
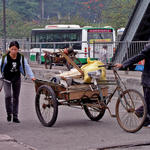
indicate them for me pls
(125, 146)
(9, 143)
(5, 138)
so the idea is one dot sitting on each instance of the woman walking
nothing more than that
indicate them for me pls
(12, 65)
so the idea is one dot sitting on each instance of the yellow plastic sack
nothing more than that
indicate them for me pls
(92, 65)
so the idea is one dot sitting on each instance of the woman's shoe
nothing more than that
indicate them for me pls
(146, 122)
(16, 120)
(9, 118)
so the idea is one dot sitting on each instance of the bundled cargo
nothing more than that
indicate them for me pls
(93, 65)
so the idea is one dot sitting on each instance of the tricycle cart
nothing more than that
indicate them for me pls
(50, 95)
(93, 98)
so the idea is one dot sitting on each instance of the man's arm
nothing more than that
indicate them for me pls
(142, 55)
(135, 59)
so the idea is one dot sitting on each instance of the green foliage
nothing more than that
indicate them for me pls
(23, 15)
(74, 20)
(13, 20)
(118, 13)
(62, 8)
(15, 26)
(28, 9)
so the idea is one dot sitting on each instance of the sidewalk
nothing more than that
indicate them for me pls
(8, 143)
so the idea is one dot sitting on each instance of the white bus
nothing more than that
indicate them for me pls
(54, 33)
(87, 40)
(97, 37)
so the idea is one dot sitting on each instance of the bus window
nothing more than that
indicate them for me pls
(100, 36)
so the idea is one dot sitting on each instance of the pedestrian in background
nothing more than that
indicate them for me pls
(144, 54)
(12, 65)
(38, 58)
(103, 54)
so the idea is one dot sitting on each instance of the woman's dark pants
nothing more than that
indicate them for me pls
(12, 91)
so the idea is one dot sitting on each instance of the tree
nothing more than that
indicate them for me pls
(118, 13)
(13, 19)
(28, 9)
(23, 15)
(94, 9)
(58, 8)
(16, 27)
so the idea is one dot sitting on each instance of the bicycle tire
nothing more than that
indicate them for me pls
(90, 110)
(126, 113)
(46, 101)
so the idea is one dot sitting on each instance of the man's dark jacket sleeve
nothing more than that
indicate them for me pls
(144, 54)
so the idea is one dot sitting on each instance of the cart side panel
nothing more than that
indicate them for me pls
(56, 87)
(80, 91)
(88, 93)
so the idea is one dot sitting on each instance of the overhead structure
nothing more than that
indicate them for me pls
(137, 29)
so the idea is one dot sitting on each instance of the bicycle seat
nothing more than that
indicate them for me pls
(95, 74)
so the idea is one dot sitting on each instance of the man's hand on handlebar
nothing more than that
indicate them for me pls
(118, 65)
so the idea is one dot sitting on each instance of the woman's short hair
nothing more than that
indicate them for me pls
(14, 43)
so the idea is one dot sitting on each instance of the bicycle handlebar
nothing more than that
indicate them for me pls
(108, 65)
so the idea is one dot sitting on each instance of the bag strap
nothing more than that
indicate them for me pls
(3, 59)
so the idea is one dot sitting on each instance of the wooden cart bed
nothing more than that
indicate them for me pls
(72, 92)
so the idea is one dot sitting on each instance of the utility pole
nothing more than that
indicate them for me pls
(42, 9)
(4, 27)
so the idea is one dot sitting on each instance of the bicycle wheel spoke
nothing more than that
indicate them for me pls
(46, 106)
(136, 120)
(125, 119)
(127, 111)
(47, 115)
(93, 112)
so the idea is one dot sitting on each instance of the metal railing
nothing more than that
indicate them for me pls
(114, 52)
(126, 50)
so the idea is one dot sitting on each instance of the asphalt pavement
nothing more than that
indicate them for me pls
(73, 131)
(9, 143)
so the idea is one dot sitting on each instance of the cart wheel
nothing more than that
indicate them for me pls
(76, 60)
(127, 113)
(48, 62)
(46, 105)
(92, 111)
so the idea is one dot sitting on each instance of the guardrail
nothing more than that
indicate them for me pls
(93, 50)
(126, 50)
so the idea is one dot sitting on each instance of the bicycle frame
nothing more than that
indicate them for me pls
(117, 81)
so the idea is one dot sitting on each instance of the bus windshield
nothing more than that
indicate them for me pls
(100, 35)
(56, 36)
